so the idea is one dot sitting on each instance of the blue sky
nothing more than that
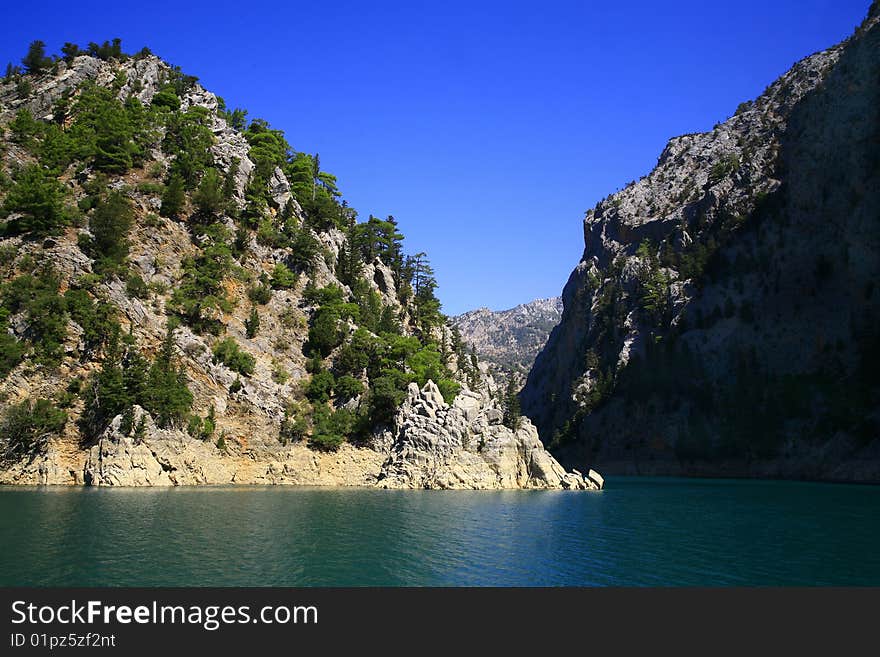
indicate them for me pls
(486, 128)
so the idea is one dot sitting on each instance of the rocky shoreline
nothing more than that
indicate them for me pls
(430, 445)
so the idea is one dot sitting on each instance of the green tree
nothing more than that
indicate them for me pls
(426, 306)
(70, 51)
(304, 250)
(331, 428)
(167, 396)
(316, 171)
(268, 149)
(107, 395)
(201, 296)
(512, 412)
(230, 354)
(208, 198)
(283, 278)
(24, 128)
(349, 262)
(110, 224)
(357, 354)
(324, 333)
(38, 199)
(44, 309)
(252, 323)
(97, 319)
(384, 398)
(166, 98)
(295, 424)
(237, 119)
(114, 139)
(347, 387)
(656, 295)
(11, 351)
(11, 72)
(36, 60)
(189, 139)
(320, 387)
(173, 198)
(56, 149)
(27, 426)
(474, 370)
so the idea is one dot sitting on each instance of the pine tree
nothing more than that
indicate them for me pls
(173, 197)
(39, 199)
(316, 170)
(107, 395)
(36, 61)
(70, 51)
(114, 145)
(252, 323)
(349, 265)
(168, 399)
(208, 198)
(474, 371)
(426, 306)
(459, 350)
(110, 224)
(511, 405)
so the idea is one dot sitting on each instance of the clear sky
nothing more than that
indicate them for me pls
(486, 128)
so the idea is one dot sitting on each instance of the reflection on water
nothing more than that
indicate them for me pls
(636, 532)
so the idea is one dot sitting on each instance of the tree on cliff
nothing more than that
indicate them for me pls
(512, 411)
(36, 61)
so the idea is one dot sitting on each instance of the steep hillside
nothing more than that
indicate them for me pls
(724, 316)
(188, 299)
(509, 339)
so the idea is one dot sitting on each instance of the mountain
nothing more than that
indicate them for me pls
(186, 299)
(723, 319)
(510, 339)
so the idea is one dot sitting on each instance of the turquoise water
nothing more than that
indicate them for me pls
(639, 531)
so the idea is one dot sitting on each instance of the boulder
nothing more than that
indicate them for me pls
(596, 479)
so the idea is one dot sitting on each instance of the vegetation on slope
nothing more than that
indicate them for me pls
(86, 173)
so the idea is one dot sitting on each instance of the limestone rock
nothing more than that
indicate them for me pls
(596, 478)
(279, 189)
(435, 445)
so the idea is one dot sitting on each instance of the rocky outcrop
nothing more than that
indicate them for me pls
(167, 458)
(725, 304)
(464, 445)
(510, 339)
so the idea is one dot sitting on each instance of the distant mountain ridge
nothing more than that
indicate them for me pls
(510, 339)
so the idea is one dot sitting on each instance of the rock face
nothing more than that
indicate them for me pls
(167, 458)
(435, 445)
(722, 315)
(510, 339)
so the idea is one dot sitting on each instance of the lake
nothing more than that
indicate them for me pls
(637, 532)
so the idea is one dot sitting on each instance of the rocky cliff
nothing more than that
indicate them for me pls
(187, 300)
(510, 339)
(725, 313)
